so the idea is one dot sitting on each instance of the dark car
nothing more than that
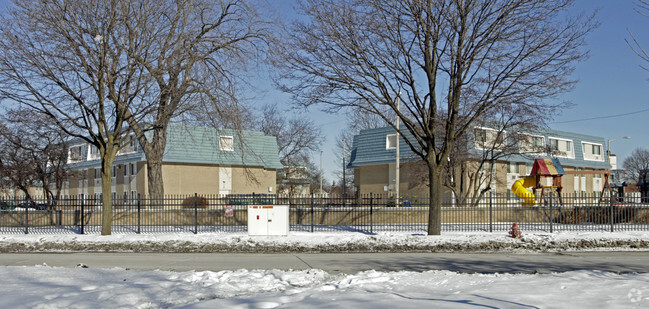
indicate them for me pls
(32, 205)
(4, 205)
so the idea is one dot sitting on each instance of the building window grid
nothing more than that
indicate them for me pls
(391, 141)
(489, 138)
(226, 143)
(563, 147)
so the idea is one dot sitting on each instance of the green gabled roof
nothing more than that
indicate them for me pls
(200, 145)
(368, 148)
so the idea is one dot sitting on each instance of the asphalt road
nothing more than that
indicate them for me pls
(621, 262)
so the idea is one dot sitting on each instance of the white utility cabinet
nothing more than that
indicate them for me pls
(268, 220)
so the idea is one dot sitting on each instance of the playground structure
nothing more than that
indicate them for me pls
(551, 168)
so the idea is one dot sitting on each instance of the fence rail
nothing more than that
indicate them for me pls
(366, 213)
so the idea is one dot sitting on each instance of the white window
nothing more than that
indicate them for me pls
(97, 173)
(561, 147)
(133, 169)
(391, 141)
(74, 153)
(93, 152)
(113, 172)
(226, 143)
(486, 138)
(512, 167)
(133, 145)
(532, 143)
(592, 151)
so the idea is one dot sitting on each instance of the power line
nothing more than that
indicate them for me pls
(602, 117)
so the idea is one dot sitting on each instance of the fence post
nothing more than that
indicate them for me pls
(371, 214)
(311, 212)
(551, 201)
(139, 205)
(83, 198)
(611, 210)
(195, 213)
(490, 212)
(26, 218)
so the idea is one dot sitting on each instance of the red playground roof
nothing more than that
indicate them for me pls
(547, 167)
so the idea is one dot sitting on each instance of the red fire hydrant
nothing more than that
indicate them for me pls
(516, 231)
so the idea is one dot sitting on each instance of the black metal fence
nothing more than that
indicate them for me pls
(366, 214)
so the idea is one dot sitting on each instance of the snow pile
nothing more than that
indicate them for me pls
(326, 242)
(49, 287)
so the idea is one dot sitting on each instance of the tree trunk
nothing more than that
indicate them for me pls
(435, 200)
(154, 153)
(107, 198)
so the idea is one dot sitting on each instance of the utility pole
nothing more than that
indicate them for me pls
(344, 167)
(397, 180)
(320, 172)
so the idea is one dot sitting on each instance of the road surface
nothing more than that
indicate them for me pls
(621, 262)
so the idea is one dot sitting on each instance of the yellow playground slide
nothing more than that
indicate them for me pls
(520, 189)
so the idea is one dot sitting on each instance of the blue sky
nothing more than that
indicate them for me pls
(611, 82)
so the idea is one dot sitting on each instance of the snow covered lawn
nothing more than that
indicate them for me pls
(326, 242)
(42, 286)
(48, 287)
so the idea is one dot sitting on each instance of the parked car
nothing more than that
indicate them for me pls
(5, 205)
(32, 205)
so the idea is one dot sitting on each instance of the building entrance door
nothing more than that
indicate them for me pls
(225, 180)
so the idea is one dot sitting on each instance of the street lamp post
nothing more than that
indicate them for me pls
(320, 172)
(608, 147)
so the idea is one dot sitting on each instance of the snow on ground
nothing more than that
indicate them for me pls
(326, 242)
(41, 286)
(49, 287)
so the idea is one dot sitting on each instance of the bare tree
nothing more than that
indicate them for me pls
(637, 166)
(65, 61)
(357, 120)
(453, 61)
(504, 132)
(34, 153)
(297, 136)
(642, 9)
(191, 50)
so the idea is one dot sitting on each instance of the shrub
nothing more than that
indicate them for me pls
(199, 201)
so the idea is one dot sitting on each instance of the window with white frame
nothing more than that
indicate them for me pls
(391, 141)
(512, 167)
(592, 151)
(226, 143)
(561, 147)
(486, 138)
(133, 169)
(74, 153)
(532, 143)
(94, 152)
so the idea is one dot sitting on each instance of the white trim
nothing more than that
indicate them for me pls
(475, 140)
(593, 157)
(542, 146)
(93, 155)
(387, 141)
(80, 146)
(222, 138)
(571, 155)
